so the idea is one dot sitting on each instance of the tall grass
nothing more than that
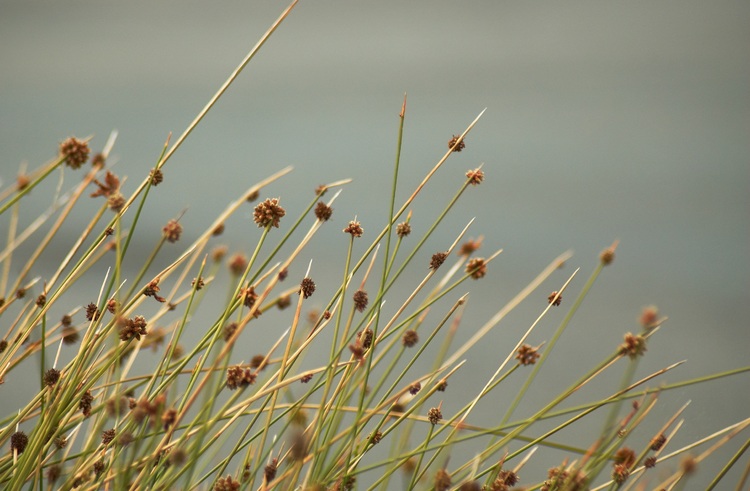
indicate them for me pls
(369, 415)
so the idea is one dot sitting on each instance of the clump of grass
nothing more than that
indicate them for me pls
(372, 414)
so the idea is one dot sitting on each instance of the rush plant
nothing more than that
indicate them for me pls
(369, 414)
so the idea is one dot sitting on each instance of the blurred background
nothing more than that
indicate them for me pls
(604, 121)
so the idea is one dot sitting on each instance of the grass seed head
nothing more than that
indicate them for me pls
(403, 229)
(18, 442)
(323, 212)
(475, 177)
(437, 260)
(268, 213)
(75, 151)
(354, 229)
(455, 145)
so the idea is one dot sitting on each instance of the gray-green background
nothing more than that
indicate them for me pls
(605, 120)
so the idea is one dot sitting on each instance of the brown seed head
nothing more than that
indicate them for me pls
(132, 328)
(634, 345)
(198, 283)
(269, 472)
(235, 376)
(268, 213)
(156, 176)
(434, 415)
(620, 473)
(116, 406)
(357, 350)
(75, 151)
(415, 388)
(650, 462)
(237, 263)
(360, 300)
(323, 212)
(354, 228)
(85, 403)
(239, 377)
(81, 479)
(410, 338)
(3, 345)
(98, 160)
(256, 362)
(229, 330)
(456, 147)
(365, 337)
(625, 456)
(168, 418)
(658, 442)
(153, 289)
(226, 484)
(51, 377)
(507, 477)
(140, 410)
(54, 472)
(307, 287)
(248, 296)
(172, 231)
(375, 438)
(99, 467)
(475, 177)
(649, 317)
(22, 182)
(177, 457)
(608, 254)
(218, 252)
(321, 190)
(527, 355)
(283, 302)
(108, 436)
(442, 480)
(109, 187)
(555, 477)
(41, 300)
(555, 301)
(403, 229)
(469, 247)
(477, 268)
(116, 201)
(92, 312)
(18, 442)
(438, 259)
